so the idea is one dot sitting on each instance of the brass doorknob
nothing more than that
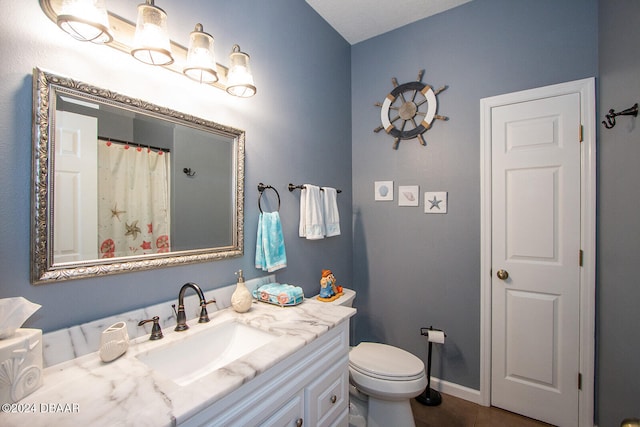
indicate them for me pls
(502, 274)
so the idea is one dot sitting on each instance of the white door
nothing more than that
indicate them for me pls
(535, 315)
(75, 232)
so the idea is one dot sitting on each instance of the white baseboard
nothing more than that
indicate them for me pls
(456, 390)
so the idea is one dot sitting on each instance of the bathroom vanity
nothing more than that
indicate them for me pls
(298, 376)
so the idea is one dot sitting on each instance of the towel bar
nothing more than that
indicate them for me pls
(300, 187)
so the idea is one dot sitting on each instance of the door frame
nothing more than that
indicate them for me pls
(586, 88)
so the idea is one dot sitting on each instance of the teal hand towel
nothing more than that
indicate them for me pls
(270, 250)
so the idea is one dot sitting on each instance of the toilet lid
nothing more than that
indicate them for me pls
(385, 362)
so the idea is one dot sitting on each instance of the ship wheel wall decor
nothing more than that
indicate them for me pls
(412, 106)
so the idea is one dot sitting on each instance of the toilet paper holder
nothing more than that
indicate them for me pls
(430, 397)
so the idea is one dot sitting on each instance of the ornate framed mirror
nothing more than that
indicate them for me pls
(122, 185)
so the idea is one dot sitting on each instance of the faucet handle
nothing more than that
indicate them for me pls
(156, 331)
(204, 316)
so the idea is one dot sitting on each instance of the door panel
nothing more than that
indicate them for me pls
(76, 179)
(523, 310)
(536, 239)
(534, 207)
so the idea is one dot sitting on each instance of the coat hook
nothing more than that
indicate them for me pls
(188, 172)
(611, 117)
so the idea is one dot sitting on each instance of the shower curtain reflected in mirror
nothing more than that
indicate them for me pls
(133, 200)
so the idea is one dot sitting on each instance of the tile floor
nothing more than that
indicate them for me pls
(455, 412)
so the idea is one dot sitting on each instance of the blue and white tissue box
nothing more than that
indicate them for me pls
(20, 364)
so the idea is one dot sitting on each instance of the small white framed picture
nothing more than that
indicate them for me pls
(435, 202)
(383, 190)
(408, 195)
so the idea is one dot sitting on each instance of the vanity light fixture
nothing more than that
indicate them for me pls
(85, 20)
(148, 41)
(151, 43)
(201, 62)
(240, 79)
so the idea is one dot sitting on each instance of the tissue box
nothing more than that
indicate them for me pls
(20, 364)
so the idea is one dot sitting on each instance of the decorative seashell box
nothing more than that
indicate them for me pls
(21, 366)
(20, 350)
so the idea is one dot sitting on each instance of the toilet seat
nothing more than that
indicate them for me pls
(385, 362)
(385, 372)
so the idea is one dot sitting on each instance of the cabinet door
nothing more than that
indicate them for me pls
(328, 396)
(342, 420)
(289, 415)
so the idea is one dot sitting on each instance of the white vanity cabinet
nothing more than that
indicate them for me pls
(327, 398)
(309, 388)
(290, 414)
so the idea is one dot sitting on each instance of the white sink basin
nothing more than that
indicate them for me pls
(184, 360)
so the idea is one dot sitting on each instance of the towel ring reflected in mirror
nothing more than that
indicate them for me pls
(261, 188)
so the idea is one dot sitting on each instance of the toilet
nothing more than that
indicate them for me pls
(383, 379)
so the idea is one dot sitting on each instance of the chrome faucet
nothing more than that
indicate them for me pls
(180, 315)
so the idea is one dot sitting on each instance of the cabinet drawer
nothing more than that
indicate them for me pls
(289, 415)
(328, 396)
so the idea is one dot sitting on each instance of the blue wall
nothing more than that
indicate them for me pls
(413, 270)
(313, 121)
(298, 129)
(618, 293)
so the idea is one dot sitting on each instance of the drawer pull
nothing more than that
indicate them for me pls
(299, 422)
(334, 398)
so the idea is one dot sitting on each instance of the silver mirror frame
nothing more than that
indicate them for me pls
(43, 269)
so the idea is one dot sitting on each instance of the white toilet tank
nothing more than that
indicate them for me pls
(346, 299)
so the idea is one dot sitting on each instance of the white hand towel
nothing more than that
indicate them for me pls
(330, 209)
(311, 217)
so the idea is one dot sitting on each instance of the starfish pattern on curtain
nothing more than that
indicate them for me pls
(133, 202)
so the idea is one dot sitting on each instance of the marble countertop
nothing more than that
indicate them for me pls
(87, 391)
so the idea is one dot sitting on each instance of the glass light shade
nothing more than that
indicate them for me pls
(201, 61)
(85, 20)
(151, 43)
(240, 80)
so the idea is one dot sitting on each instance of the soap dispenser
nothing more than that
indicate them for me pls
(241, 299)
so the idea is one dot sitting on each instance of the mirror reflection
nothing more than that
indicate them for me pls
(132, 183)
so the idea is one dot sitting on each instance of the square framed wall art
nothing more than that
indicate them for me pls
(408, 195)
(383, 191)
(435, 202)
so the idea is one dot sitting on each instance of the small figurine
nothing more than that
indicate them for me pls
(329, 290)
